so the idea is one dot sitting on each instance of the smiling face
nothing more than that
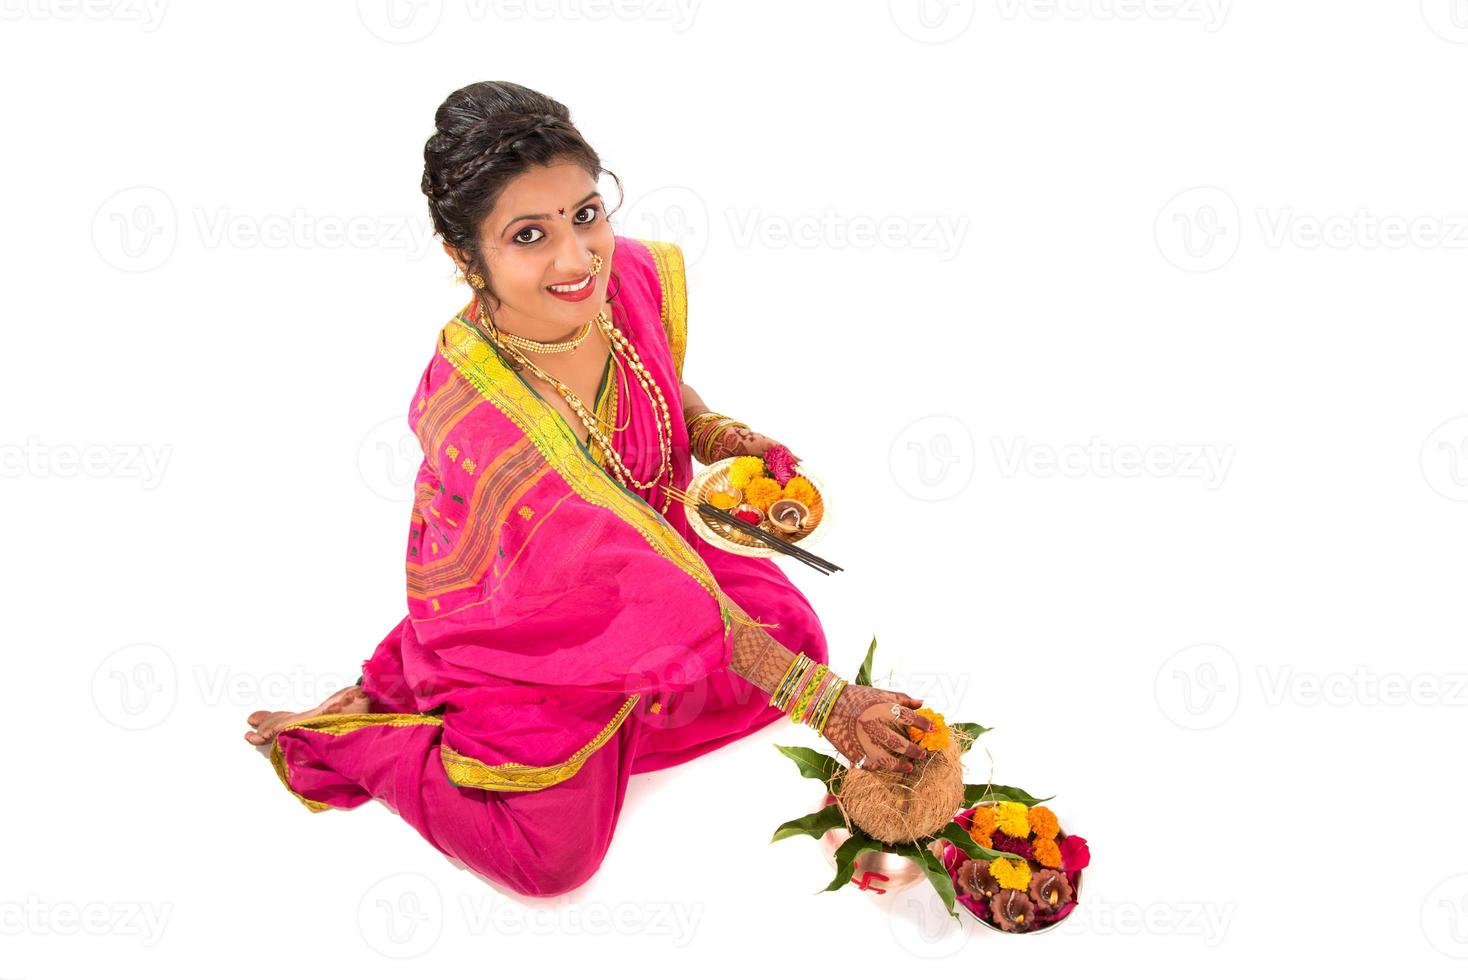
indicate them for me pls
(542, 233)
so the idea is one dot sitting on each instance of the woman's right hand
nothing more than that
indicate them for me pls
(865, 728)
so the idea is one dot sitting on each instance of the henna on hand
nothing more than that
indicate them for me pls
(861, 724)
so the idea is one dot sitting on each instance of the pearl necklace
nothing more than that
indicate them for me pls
(618, 342)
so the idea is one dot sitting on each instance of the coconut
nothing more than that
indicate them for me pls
(901, 807)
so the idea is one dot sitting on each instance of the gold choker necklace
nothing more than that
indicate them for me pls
(541, 347)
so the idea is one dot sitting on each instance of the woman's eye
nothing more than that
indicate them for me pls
(594, 212)
(526, 231)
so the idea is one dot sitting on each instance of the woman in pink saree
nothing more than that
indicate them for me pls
(565, 627)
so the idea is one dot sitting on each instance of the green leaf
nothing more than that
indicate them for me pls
(974, 793)
(812, 824)
(813, 764)
(846, 857)
(864, 675)
(971, 732)
(939, 878)
(958, 837)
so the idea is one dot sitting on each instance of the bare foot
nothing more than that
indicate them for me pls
(267, 724)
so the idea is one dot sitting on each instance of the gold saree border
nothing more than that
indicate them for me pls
(482, 365)
(672, 277)
(339, 725)
(512, 777)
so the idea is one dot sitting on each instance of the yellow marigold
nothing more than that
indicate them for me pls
(933, 741)
(801, 489)
(985, 821)
(983, 840)
(1047, 852)
(1010, 873)
(1043, 822)
(763, 491)
(744, 469)
(1012, 818)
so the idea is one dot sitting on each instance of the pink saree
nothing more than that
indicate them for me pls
(561, 634)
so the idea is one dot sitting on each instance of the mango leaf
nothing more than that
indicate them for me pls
(971, 732)
(939, 878)
(864, 675)
(812, 824)
(974, 793)
(813, 764)
(958, 837)
(846, 857)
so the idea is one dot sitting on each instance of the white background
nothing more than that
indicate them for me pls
(1143, 420)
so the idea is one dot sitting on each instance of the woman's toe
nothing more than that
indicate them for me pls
(254, 720)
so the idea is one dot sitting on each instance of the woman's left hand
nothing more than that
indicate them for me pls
(757, 444)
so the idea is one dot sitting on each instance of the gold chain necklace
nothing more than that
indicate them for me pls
(540, 346)
(617, 342)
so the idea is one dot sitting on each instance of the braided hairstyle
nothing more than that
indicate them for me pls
(485, 135)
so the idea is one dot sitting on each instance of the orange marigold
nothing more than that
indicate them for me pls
(983, 840)
(1047, 852)
(985, 821)
(933, 741)
(1043, 822)
(763, 491)
(801, 489)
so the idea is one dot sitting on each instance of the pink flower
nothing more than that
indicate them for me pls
(1014, 845)
(780, 461)
(1074, 854)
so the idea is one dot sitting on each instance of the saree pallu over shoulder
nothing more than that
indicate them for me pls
(546, 601)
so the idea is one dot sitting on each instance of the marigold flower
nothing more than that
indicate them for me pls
(1012, 818)
(933, 741)
(1043, 822)
(762, 491)
(982, 839)
(983, 820)
(1047, 852)
(801, 489)
(1010, 873)
(744, 469)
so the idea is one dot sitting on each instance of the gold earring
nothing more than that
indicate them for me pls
(475, 279)
(595, 263)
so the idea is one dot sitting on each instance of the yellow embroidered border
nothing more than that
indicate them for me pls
(339, 725)
(473, 357)
(464, 770)
(672, 276)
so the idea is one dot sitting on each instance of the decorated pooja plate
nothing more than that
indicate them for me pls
(808, 523)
